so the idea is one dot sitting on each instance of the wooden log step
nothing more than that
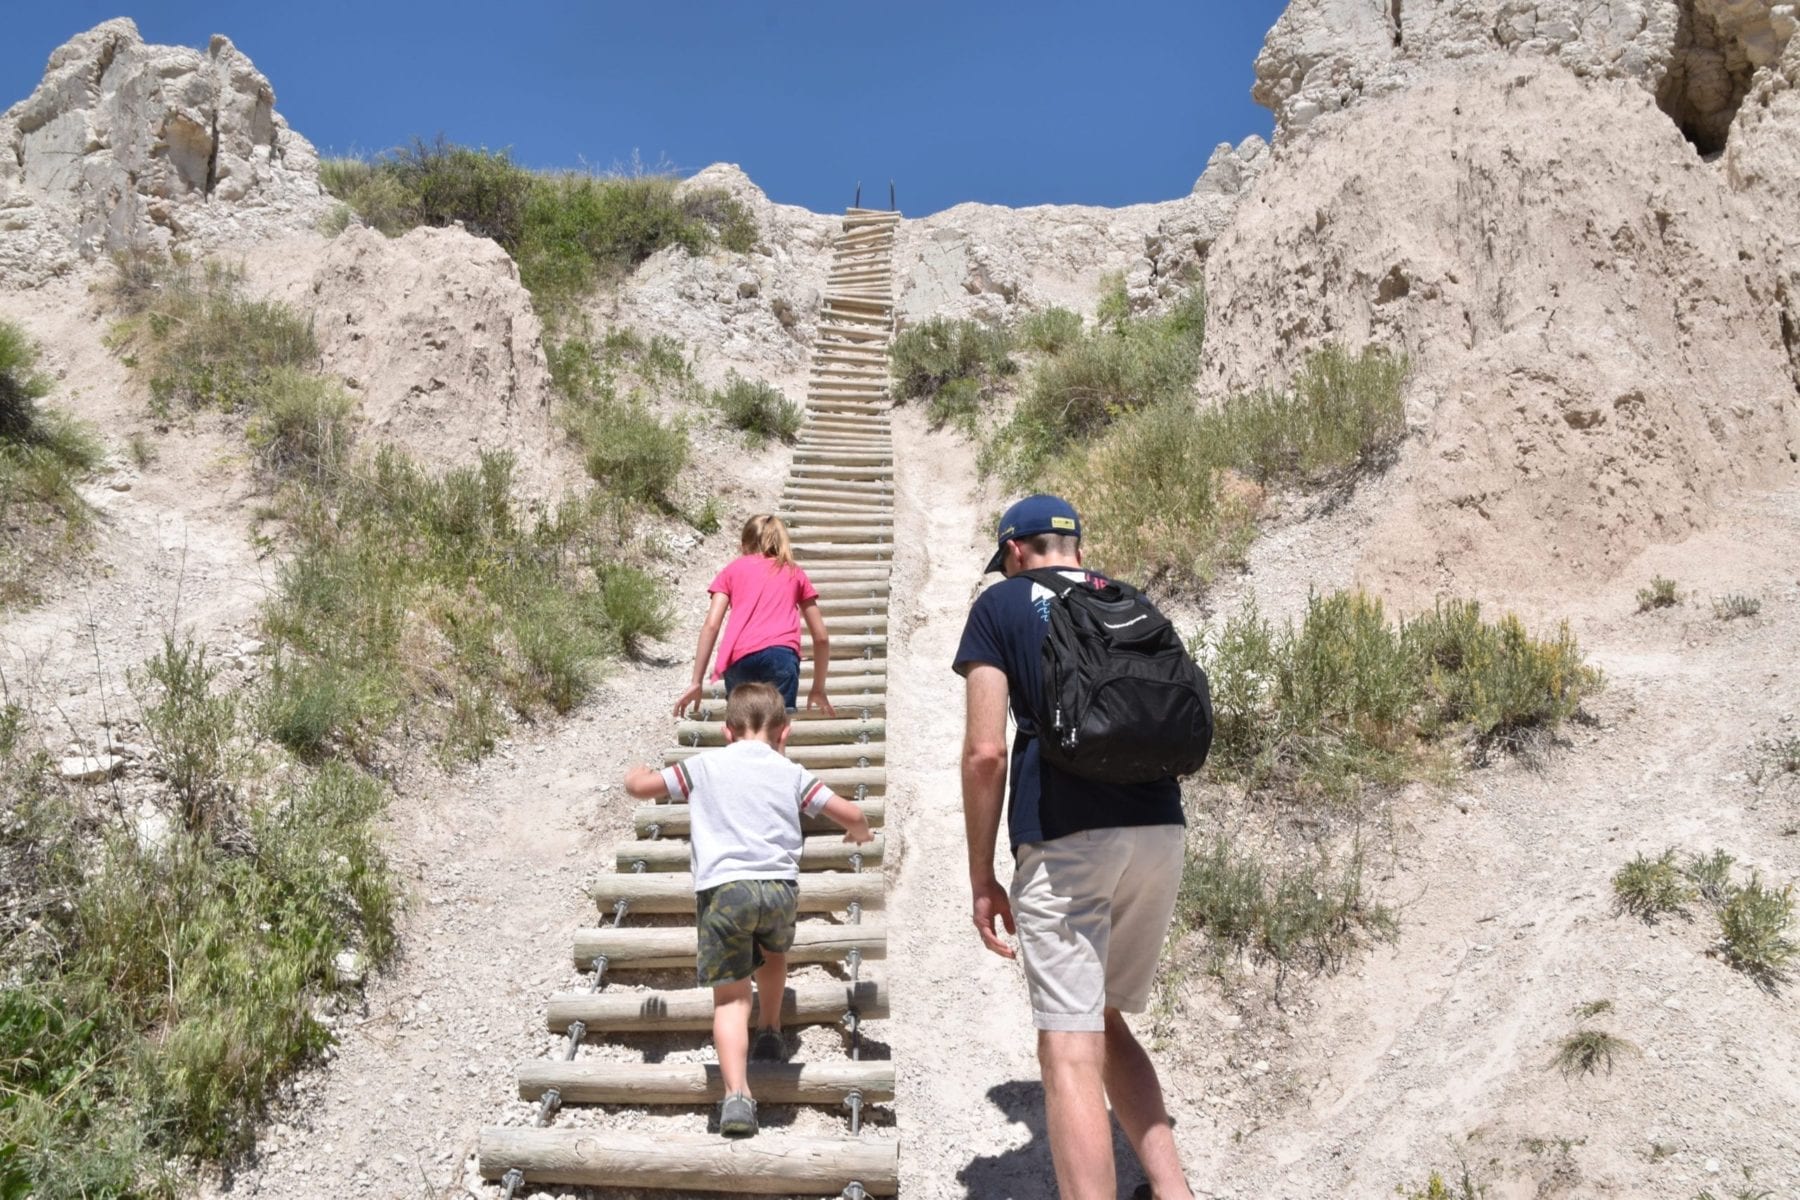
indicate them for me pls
(771, 1164)
(872, 704)
(839, 470)
(823, 853)
(654, 949)
(852, 333)
(839, 624)
(855, 315)
(676, 821)
(590, 1082)
(812, 757)
(849, 354)
(822, 891)
(808, 1003)
(712, 733)
(866, 453)
(805, 525)
(862, 302)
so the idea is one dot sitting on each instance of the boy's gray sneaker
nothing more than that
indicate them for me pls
(737, 1115)
(769, 1047)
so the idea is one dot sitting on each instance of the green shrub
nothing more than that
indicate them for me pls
(636, 604)
(1660, 594)
(1496, 678)
(958, 402)
(1735, 606)
(1585, 1051)
(1122, 366)
(629, 450)
(202, 343)
(1711, 875)
(759, 409)
(1651, 887)
(928, 355)
(434, 596)
(300, 427)
(565, 229)
(1754, 927)
(1463, 1188)
(43, 455)
(1310, 916)
(1348, 697)
(1049, 330)
(191, 724)
(168, 986)
(1340, 412)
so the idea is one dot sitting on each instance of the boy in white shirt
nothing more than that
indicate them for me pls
(745, 802)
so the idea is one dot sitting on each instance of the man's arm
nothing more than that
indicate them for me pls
(984, 797)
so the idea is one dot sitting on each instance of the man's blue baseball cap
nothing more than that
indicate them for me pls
(1031, 516)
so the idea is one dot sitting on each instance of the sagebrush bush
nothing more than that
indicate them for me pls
(1736, 605)
(636, 604)
(1120, 367)
(191, 722)
(1154, 499)
(1651, 887)
(1585, 1051)
(170, 985)
(300, 426)
(1659, 594)
(436, 595)
(630, 451)
(201, 342)
(565, 229)
(1755, 928)
(1049, 330)
(44, 454)
(627, 449)
(1348, 696)
(759, 409)
(931, 354)
(1310, 916)
(1339, 412)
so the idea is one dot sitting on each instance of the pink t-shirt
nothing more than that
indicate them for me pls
(765, 607)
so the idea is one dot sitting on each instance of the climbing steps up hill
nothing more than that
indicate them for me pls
(838, 503)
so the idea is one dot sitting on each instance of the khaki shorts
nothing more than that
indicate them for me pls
(1092, 911)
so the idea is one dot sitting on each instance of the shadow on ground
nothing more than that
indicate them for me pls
(1026, 1172)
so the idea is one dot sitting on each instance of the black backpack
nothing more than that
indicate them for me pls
(1123, 701)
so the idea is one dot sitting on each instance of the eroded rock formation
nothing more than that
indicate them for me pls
(125, 144)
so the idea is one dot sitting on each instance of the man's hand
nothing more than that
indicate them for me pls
(689, 699)
(991, 905)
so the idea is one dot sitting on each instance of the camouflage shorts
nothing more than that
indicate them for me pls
(740, 922)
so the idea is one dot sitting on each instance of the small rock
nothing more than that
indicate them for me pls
(250, 646)
(1713, 1166)
(748, 286)
(90, 768)
(348, 966)
(121, 485)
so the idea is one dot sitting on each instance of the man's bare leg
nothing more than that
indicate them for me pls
(1074, 1068)
(1137, 1100)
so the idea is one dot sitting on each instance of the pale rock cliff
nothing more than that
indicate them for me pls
(1698, 57)
(434, 335)
(1591, 315)
(125, 145)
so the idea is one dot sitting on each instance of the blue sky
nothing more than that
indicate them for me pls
(1012, 103)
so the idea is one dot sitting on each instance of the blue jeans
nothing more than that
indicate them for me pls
(777, 666)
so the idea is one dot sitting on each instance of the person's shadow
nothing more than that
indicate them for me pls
(1027, 1173)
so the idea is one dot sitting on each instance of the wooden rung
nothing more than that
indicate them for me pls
(809, 1003)
(828, 527)
(821, 891)
(845, 701)
(590, 1082)
(712, 733)
(771, 1164)
(824, 853)
(673, 820)
(811, 757)
(661, 949)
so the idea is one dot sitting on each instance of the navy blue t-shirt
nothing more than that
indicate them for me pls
(1006, 629)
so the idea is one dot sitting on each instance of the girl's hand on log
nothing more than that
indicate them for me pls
(690, 700)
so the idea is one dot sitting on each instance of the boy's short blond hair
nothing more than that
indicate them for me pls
(755, 708)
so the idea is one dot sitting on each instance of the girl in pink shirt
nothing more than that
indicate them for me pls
(767, 595)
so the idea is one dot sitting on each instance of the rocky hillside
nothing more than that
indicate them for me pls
(1575, 219)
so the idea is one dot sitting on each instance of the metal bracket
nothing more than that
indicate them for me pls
(514, 1179)
(639, 867)
(655, 831)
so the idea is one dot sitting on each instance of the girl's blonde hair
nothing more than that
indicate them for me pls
(767, 535)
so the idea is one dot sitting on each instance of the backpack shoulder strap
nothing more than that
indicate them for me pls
(1052, 578)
